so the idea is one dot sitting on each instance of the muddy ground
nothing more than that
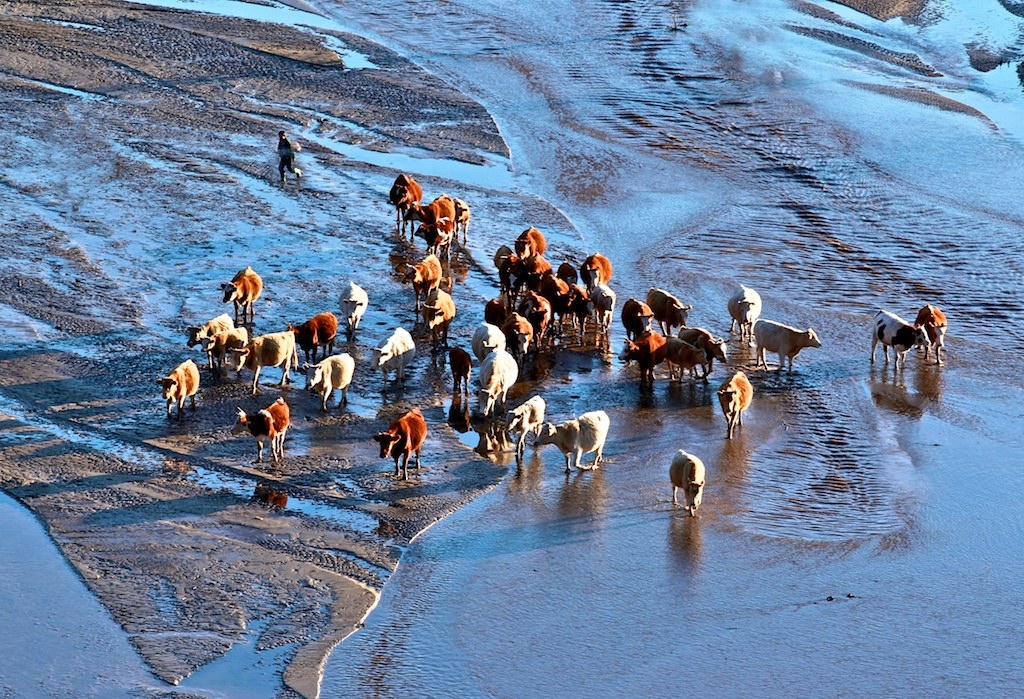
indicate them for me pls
(140, 175)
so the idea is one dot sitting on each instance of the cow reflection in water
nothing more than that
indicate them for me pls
(583, 497)
(685, 543)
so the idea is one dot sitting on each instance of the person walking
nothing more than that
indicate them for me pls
(286, 154)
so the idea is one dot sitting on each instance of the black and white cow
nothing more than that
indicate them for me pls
(891, 330)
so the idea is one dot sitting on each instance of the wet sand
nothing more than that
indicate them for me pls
(148, 179)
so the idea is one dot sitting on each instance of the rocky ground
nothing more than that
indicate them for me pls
(139, 176)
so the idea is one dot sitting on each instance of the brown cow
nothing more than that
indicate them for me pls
(686, 357)
(636, 318)
(669, 311)
(531, 242)
(934, 323)
(735, 396)
(537, 309)
(714, 347)
(461, 364)
(405, 436)
(437, 216)
(438, 312)
(495, 312)
(405, 193)
(649, 351)
(596, 269)
(580, 307)
(424, 277)
(271, 423)
(243, 289)
(318, 331)
(180, 384)
(567, 273)
(518, 335)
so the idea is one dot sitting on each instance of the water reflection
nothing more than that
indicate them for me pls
(928, 381)
(685, 541)
(889, 391)
(584, 495)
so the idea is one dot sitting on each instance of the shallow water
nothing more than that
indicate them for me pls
(859, 507)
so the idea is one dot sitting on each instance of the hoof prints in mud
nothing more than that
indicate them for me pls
(829, 480)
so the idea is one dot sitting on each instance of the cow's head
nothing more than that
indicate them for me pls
(546, 435)
(237, 357)
(812, 338)
(717, 349)
(195, 335)
(629, 351)
(241, 422)
(168, 384)
(387, 441)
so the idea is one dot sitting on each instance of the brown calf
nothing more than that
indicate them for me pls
(180, 384)
(461, 364)
(735, 396)
(405, 436)
(531, 242)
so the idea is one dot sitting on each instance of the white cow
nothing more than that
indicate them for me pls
(527, 418)
(785, 340)
(687, 472)
(396, 353)
(603, 299)
(332, 373)
(581, 436)
(486, 339)
(745, 309)
(354, 303)
(498, 373)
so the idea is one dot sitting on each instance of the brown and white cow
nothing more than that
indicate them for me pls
(198, 333)
(243, 289)
(462, 216)
(714, 347)
(596, 269)
(270, 424)
(404, 437)
(438, 313)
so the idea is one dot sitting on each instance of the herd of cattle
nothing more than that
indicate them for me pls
(537, 307)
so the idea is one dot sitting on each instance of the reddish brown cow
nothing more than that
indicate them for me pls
(596, 269)
(537, 309)
(271, 424)
(649, 351)
(531, 271)
(441, 208)
(405, 193)
(405, 436)
(531, 242)
(580, 307)
(567, 273)
(243, 289)
(461, 364)
(424, 277)
(495, 312)
(636, 318)
(558, 292)
(318, 331)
